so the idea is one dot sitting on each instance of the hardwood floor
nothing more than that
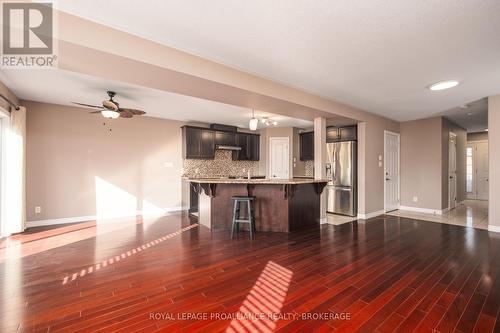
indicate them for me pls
(388, 274)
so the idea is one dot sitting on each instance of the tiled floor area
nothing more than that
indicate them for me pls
(339, 219)
(470, 213)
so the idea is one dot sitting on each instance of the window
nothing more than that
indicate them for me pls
(469, 170)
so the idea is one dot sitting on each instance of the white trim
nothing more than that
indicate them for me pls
(423, 210)
(323, 220)
(370, 215)
(399, 166)
(493, 228)
(75, 219)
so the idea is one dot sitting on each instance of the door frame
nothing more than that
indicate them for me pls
(271, 139)
(386, 132)
(454, 136)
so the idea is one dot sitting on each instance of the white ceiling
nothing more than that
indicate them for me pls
(379, 55)
(63, 87)
(472, 116)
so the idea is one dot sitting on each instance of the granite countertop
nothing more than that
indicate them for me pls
(294, 181)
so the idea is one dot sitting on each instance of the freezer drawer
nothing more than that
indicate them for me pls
(341, 200)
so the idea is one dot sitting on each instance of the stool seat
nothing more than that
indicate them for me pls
(237, 219)
(241, 197)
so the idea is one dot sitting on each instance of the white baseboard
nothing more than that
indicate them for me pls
(76, 219)
(370, 215)
(493, 228)
(423, 210)
(323, 220)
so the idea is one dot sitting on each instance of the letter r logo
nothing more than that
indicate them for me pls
(27, 28)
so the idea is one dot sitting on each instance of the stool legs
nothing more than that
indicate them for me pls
(234, 225)
(237, 219)
(250, 218)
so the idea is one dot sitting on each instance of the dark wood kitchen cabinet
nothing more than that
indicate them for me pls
(332, 134)
(225, 138)
(348, 133)
(250, 147)
(306, 146)
(198, 143)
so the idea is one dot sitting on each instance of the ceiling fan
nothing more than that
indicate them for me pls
(111, 109)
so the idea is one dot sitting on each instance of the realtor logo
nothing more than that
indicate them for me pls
(27, 35)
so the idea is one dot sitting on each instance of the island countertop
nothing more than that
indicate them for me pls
(291, 181)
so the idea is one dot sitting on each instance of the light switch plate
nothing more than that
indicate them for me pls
(38, 209)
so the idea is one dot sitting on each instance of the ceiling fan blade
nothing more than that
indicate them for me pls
(125, 113)
(134, 111)
(110, 105)
(88, 105)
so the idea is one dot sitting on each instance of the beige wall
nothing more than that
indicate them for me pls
(370, 175)
(447, 128)
(494, 161)
(299, 168)
(424, 162)
(7, 93)
(75, 165)
(478, 136)
(421, 171)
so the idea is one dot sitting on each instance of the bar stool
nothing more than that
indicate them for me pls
(238, 200)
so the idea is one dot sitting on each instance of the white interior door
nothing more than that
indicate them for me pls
(279, 158)
(482, 171)
(391, 171)
(452, 173)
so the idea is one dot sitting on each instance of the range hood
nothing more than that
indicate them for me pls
(226, 147)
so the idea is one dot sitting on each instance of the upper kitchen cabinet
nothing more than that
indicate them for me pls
(348, 133)
(332, 134)
(250, 147)
(225, 138)
(306, 146)
(198, 143)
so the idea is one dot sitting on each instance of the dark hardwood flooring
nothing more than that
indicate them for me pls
(387, 274)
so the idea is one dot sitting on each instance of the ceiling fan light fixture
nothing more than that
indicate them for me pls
(110, 114)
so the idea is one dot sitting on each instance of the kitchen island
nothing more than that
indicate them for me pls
(281, 205)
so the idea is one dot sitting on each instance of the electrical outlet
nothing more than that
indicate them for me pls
(379, 164)
(415, 199)
(38, 209)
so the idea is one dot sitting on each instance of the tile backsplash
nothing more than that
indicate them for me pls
(221, 166)
(309, 169)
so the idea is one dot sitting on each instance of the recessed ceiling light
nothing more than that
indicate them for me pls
(444, 85)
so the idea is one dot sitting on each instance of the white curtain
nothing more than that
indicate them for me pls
(14, 175)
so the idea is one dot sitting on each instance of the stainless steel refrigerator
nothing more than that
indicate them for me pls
(342, 175)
